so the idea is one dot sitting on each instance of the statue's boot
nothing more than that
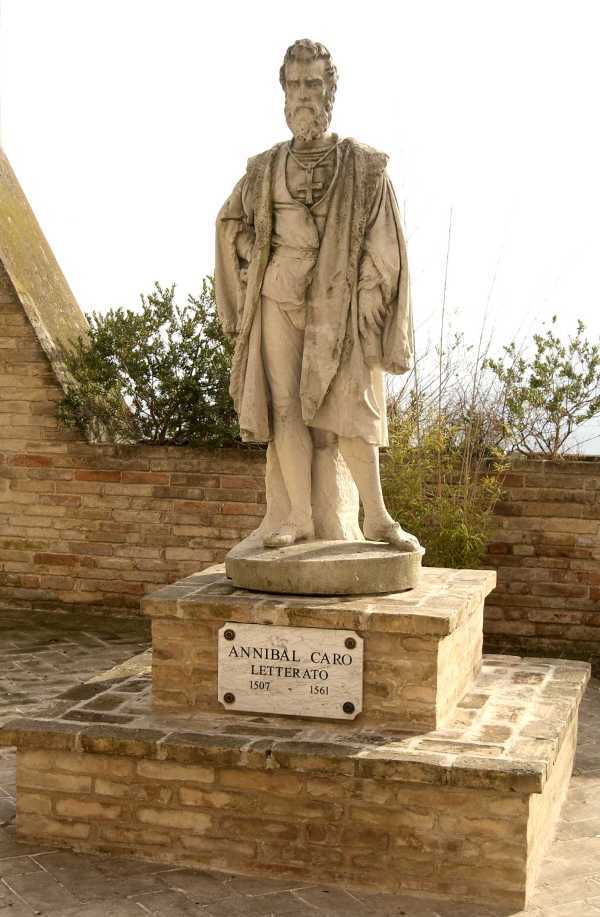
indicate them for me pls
(394, 534)
(289, 534)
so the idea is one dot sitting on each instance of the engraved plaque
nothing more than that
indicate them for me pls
(297, 671)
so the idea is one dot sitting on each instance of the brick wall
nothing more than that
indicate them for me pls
(546, 550)
(100, 526)
(311, 821)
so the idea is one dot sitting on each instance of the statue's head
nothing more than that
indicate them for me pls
(309, 80)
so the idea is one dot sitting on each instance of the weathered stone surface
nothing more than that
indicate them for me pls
(324, 568)
(281, 670)
(312, 349)
(34, 272)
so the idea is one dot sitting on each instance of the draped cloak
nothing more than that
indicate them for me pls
(362, 246)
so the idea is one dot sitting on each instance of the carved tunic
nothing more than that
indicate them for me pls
(317, 259)
(297, 233)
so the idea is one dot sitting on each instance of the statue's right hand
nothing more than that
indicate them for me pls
(371, 311)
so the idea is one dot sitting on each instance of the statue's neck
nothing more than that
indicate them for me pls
(319, 142)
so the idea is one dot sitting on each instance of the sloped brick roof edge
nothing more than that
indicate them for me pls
(35, 274)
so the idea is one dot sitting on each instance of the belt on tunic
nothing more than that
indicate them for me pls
(297, 254)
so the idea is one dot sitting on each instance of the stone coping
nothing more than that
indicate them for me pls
(34, 272)
(441, 602)
(505, 734)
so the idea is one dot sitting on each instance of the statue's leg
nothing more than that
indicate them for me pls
(362, 459)
(282, 347)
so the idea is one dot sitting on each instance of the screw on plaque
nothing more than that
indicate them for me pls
(348, 707)
(350, 643)
(229, 698)
(229, 634)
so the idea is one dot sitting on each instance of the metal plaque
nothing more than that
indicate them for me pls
(297, 671)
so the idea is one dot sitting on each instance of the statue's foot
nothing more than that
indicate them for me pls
(394, 534)
(289, 534)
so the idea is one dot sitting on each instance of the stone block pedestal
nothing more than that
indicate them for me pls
(462, 804)
(422, 648)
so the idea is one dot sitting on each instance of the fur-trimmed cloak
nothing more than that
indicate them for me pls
(362, 246)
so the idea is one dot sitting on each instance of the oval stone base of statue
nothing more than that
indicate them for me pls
(324, 568)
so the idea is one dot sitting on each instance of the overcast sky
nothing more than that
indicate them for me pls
(129, 121)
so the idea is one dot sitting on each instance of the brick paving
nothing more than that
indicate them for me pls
(52, 652)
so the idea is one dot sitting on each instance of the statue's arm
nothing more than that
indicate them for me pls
(383, 286)
(379, 265)
(234, 243)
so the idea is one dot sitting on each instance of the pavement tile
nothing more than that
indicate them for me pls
(7, 809)
(170, 904)
(246, 885)
(398, 905)
(202, 887)
(87, 887)
(564, 892)
(279, 903)
(557, 871)
(320, 896)
(91, 878)
(41, 891)
(11, 906)
(474, 910)
(114, 907)
(581, 828)
(10, 847)
(573, 909)
(18, 866)
(60, 860)
(64, 865)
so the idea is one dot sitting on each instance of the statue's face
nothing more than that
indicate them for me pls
(306, 99)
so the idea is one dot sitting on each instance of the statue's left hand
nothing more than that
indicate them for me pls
(371, 311)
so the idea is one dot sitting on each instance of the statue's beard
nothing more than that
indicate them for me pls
(308, 120)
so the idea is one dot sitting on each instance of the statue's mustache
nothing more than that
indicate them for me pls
(312, 107)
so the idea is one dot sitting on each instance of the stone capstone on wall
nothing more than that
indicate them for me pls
(39, 283)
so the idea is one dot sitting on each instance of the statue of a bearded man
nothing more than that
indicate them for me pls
(311, 278)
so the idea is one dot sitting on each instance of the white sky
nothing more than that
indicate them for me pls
(128, 122)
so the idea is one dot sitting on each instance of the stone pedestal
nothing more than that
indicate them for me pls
(422, 648)
(324, 568)
(449, 781)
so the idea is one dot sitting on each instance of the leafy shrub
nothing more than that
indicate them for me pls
(441, 486)
(160, 375)
(442, 474)
(547, 395)
(458, 417)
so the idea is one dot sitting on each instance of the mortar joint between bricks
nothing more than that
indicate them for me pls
(160, 750)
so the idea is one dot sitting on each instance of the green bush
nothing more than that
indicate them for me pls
(547, 394)
(441, 485)
(458, 417)
(160, 375)
(442, 473)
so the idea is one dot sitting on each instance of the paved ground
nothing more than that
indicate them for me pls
(52, 652)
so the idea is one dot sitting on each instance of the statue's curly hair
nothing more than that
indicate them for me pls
(305, 49)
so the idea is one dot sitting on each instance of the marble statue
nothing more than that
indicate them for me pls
(311, 280)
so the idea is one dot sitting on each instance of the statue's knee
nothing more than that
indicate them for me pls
(286, 410)
(323, 439)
